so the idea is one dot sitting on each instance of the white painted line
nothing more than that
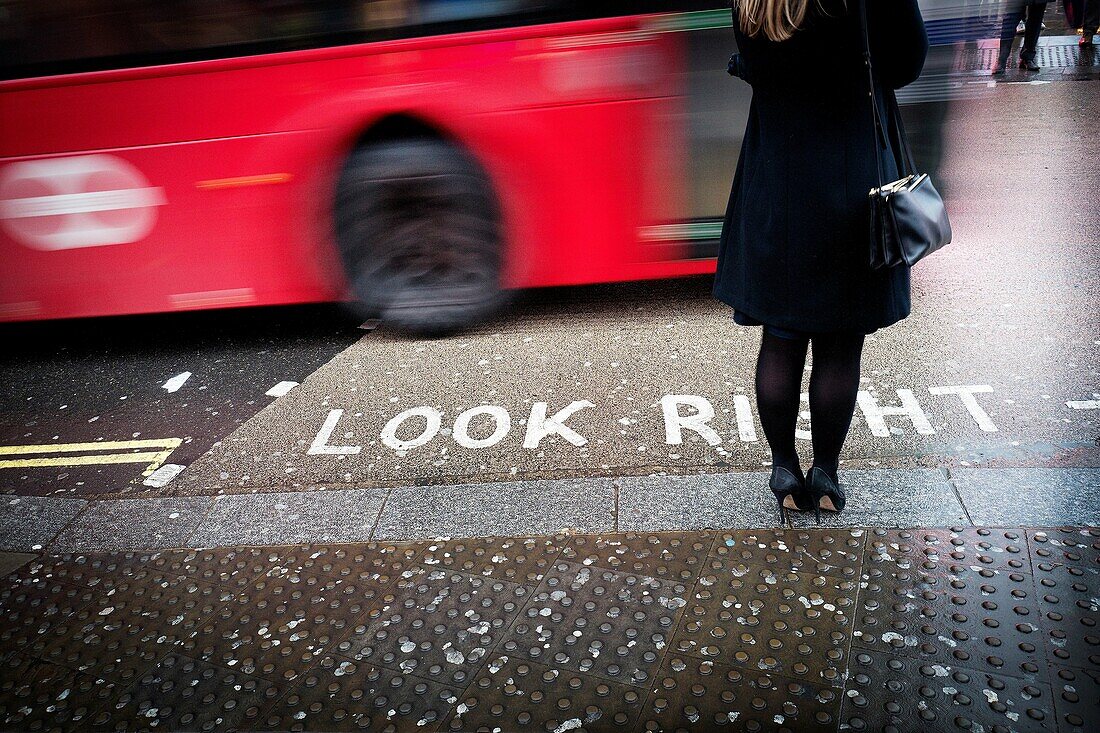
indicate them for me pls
(173, 384)
(320, 446)
(281, 389)
(163, 475)
(966, 394)
(746, 430)
(873, 413)
(1084, 404)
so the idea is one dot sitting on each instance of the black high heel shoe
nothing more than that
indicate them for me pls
(790, 493)
(824, 492)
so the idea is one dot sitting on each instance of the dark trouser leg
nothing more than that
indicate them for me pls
(779, 369)
(834, 382)
(1014, 11)
(1090, 18)
(1033, 26)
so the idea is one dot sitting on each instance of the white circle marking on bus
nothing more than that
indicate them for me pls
(71, 206)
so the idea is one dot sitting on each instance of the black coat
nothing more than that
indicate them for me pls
(794, 247)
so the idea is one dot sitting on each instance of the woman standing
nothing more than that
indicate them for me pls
(794, 248)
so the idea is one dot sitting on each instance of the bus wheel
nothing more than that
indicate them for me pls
(418, 229)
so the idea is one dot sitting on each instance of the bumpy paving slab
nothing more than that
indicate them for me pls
(797, 629)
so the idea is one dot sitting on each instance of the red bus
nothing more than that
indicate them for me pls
(418, 158)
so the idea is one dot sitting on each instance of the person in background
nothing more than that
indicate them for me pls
(1090, 20)
(1031, 12)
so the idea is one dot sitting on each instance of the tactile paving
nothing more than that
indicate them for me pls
(441, 625)
(31, 609)
(90, 569)
(343, 695)
(1076, 699)
(960, 615)
(932, 550)
(279, 626)
(521, 560)
(233, 567)
(514, 694)
(894, 694)
(788, 623)
(963, 615)
(675, 556)
(700, 695)
(130, 625)
(1069, 601)
(39, 696)
(181, 694)
(835, 552)
(588, 619)
(378, 563)
(1079, 546)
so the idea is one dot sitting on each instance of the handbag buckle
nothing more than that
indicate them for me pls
(908, 184)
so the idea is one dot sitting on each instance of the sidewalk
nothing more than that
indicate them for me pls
(799, 629)
(337, 513)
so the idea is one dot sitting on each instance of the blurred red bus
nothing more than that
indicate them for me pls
(418, 158)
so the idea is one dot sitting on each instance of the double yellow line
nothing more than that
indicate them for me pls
(127, 451)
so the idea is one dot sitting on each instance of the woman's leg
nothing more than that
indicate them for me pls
(779, 369)
(1033, 27)
(834, 381)
(1013, 13)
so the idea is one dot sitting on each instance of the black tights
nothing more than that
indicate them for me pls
(834, 381)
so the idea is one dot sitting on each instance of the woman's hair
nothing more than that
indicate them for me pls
(776, 20)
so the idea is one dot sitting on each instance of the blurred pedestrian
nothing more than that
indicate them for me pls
(794, 252)
(1031, 12)
(1090, 22)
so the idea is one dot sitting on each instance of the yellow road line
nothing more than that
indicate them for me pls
(153, 458)
(82, 460)
(18, 450)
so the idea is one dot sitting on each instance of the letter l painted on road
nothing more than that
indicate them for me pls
(320, 446)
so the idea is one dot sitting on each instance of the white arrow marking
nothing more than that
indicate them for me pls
(173, 384)
(281, 389)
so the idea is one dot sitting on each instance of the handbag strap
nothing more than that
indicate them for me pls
(880, 131)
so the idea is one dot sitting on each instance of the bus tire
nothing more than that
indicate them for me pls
(418, 228)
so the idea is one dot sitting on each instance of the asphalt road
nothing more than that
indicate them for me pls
(80, 381)
(998, 365)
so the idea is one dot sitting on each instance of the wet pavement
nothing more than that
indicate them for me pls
(778, 629)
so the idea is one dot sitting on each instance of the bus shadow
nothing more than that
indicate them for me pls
(299, 326)
(235, 329)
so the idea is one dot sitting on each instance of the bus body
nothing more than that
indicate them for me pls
(134, 186)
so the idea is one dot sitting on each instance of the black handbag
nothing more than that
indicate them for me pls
(908, 218)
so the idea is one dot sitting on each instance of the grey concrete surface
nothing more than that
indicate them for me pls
(289, 518)
(127, 524)
(879, 498)
(32, 522)
(505, 509)
(1043, 497)
(876, 498)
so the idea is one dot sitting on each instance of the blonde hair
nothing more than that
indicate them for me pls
(776, 20)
